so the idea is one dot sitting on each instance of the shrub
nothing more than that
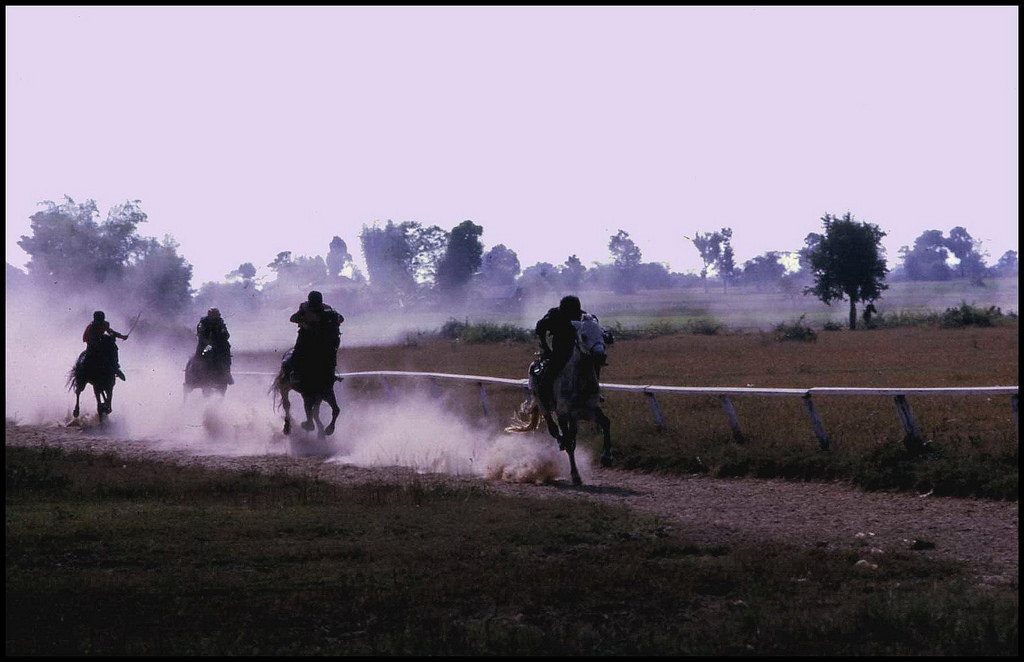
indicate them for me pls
(969, 315)
(483, 332)
(795, 331)
(703, 326)
(832, 326)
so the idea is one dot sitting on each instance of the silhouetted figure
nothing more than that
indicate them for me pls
(212, 332)
(319, 334)
(557, 322)
(869, 310)
(100, 344)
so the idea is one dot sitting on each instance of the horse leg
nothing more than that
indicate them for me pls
(286, 403)
(605, 424)
(552, 426)
(110, 399)
(332, 400)
(316, 417)
(568, 444)
(307, 403)
(78, 397)
(100, 407)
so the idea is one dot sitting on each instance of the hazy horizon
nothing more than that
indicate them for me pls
(248, 131)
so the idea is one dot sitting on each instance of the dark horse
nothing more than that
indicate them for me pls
(207, 371)
(313, 378)
(577, 396)
(96, 368)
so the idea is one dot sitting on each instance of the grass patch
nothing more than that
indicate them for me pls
(484, 332)
(107, 556)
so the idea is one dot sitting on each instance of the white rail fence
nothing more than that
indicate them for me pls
(724, 393)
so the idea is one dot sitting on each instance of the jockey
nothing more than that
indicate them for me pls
(558, 322)
(318, 330)
(99, 339)
(212, 331)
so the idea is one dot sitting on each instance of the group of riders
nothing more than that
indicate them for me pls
(319, 336)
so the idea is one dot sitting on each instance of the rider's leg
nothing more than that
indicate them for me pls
(553, 368)
(117, 364)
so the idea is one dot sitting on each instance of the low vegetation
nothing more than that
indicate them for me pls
(796, 330)
(106, 556)
(974, 438)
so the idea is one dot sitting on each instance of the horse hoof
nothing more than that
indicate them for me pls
(329, 430)
(307, 426)
(76, 412)
(287, 429)
(577, 481)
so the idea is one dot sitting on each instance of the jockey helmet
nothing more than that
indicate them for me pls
(98, 316)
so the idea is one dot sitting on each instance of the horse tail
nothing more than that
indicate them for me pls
(275, 388)
(72, 380)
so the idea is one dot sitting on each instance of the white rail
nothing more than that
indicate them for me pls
(723, 393)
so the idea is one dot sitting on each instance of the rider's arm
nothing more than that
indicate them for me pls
(542, 334)
(118, 335)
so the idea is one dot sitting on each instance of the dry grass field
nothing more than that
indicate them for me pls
(975, 436)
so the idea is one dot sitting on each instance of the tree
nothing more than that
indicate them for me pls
(968, 251)
(429, 245)
(763, 271)
(159, 276)
(390, 252)
(338, 256)
(500, 266)
(927, 259)
(1007, 264)
(726, 262)
(626, 257)
(245, 272)
(848, 263)
(461, 258)
(572, 273)
(709, 246)
(64, 247)
(541, 276)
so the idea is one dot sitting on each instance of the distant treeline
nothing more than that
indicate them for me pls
(71, 250)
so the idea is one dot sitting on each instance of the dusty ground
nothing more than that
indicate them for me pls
(981, 533)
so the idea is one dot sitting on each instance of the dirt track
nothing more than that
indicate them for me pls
(981, 533)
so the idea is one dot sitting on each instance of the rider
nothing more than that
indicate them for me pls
(212, 331)
(99, 339)
(318, 330)
(558, 322)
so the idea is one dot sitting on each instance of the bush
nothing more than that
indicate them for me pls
(795, 331)
(483, 332)
(969, 315)
(703, 326)
(832, 326)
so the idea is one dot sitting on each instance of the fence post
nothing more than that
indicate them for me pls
(734, 421)
(387, 388)
(816, 424)
(484, 402)
(1015, 404)
(912, 440)
(659, 419)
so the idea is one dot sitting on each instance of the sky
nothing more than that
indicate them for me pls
(248, 131)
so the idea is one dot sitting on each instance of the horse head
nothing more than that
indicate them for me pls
(590, 340)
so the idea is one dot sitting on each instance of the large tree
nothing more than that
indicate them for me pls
(726, 262)
(500, 266)
(1007, 264)
(572, 273)
(338, 256)
(968, 251)
(848, 262)
(462, 257)
(626, 257)
(927, 259)
(763, 271)
(390, 252)
(709, 247)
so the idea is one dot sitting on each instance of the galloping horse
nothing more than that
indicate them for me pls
(577, 396)
(96, 368)
(313, 379)
(207, 372)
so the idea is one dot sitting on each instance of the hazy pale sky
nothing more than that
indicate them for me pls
(247, 131)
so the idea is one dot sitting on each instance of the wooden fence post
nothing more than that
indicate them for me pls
(816, 424)
(734, 421)
(659, 419)
(484, 402)
(912, 440)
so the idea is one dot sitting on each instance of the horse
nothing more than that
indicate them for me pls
(577, 396)
(314, 380)
(207, 371)
(96, 368)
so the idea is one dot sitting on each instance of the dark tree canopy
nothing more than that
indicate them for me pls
(709, 247)
(848, 262)
(245, 272)
(968, 251)
(338, 256)
(573, 273)
(927, 259)
(462, 257)
(763, 271)
(1007, 264)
